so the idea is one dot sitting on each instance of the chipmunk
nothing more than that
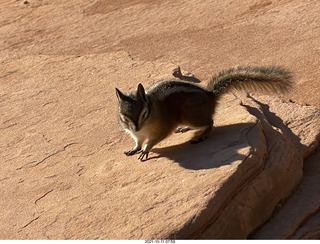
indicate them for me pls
(172, 105)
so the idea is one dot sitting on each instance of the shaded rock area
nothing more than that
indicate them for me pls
(63, 172)
(299, 217)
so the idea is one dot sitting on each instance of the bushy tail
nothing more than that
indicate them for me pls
(269, 78)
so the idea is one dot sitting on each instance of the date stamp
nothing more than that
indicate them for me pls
(159, 241)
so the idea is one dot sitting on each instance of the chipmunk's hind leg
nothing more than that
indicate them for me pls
(196, 113)
(202, 134)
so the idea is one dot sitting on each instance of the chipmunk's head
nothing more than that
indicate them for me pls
(133, 109)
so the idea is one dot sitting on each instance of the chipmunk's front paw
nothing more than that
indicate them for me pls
(132, 151)
(143, 156)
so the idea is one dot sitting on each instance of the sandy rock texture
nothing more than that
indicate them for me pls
(64, 174)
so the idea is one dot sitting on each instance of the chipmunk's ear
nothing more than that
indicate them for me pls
(120, 95)
(141, 93)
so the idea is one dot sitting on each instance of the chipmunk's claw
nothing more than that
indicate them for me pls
(132, 151)
(182, 129)
(143, 156)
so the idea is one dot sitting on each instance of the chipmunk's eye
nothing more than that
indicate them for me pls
(144, 114)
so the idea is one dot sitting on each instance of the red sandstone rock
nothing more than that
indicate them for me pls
(64, 175)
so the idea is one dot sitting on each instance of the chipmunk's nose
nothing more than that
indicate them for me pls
(137, 126)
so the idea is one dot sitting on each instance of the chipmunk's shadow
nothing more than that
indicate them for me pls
(221, 148)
